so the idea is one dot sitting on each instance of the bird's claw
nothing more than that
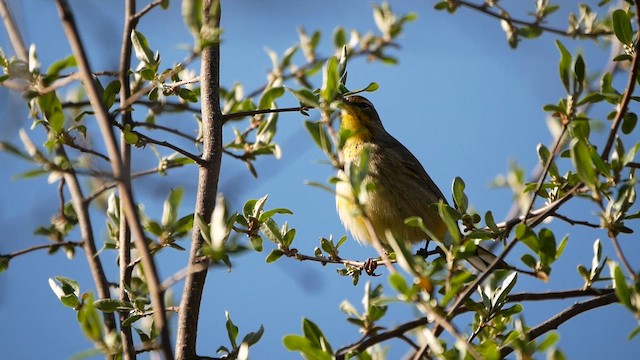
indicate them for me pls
(370, 267)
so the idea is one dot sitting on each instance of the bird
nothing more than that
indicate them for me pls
(402, 187)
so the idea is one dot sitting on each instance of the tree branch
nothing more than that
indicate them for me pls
(14, 34)
(485, 9)
(241, 114)
(209, 173)
(120, 173)
(124, 237)
(52, 246)
(626, 97)
(554, 322)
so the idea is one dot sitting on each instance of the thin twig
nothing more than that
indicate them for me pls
(150, 140)
(626, 97)
(241, 114)
(165, 128)
(112, 185)
(52, 246)
(485, 9)
(575, 222)
(70, 143)
(14, 34)
(554, 322)
(135, 17)
(621, 256)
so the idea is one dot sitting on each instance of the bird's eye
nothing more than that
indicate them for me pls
(363, 105)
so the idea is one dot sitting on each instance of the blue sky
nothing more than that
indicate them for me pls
(460, 99)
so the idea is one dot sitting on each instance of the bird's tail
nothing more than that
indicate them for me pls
(483, 258)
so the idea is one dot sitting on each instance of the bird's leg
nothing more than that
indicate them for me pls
(370, 266)
(425, 253)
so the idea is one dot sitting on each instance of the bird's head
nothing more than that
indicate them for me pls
(360, 117)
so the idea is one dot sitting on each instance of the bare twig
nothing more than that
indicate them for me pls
(485, 9)
(626, 97)
(71, 143)
(52, 246)
(400, 330)
(621, 256)
(135, 17)
(12, 30)
(241, 114)
(575, 222)
(120, 173)
(564, 316)
(165, 128)
(368, 341)
(112, 185)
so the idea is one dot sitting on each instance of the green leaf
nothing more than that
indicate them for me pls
(268, 98)
(253, 337)
(142, 49)
(319, 136)
(57, 66)
(4, 263)
(529, 260)
(564, 66)
(629, 123)
(339, 38)
(111, 305)
(581, 158)
(525, 234)
(256, 243)
(90, 320)
(130, 137)
(187, 95)
(593, 97)
(579, 69)
(312, 332)
(330, 80)
(274, 255)
(306, 97)
(547, 246)
(549, 341)
(269, 213)
(52, 110)
(623, 292)
(110, 92)
(459, 197)
(305, 347)
(622, 26)
(506, 287)
(171, 206)
(232, 330)
(398, 283)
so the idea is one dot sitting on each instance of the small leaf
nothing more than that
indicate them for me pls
(623, 292)
(459, 197)
(581, 158)
(564, 66)
(330, 80)
(268, 98)
(111, 305)
(629, 123)
(306, 97)
(622, 27)
(274, 255)
(232, 330)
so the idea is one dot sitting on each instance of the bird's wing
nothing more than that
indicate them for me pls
(414, 168)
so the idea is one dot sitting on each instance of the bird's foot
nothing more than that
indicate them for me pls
(370, 267)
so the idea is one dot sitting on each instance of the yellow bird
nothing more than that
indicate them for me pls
(402, 186)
